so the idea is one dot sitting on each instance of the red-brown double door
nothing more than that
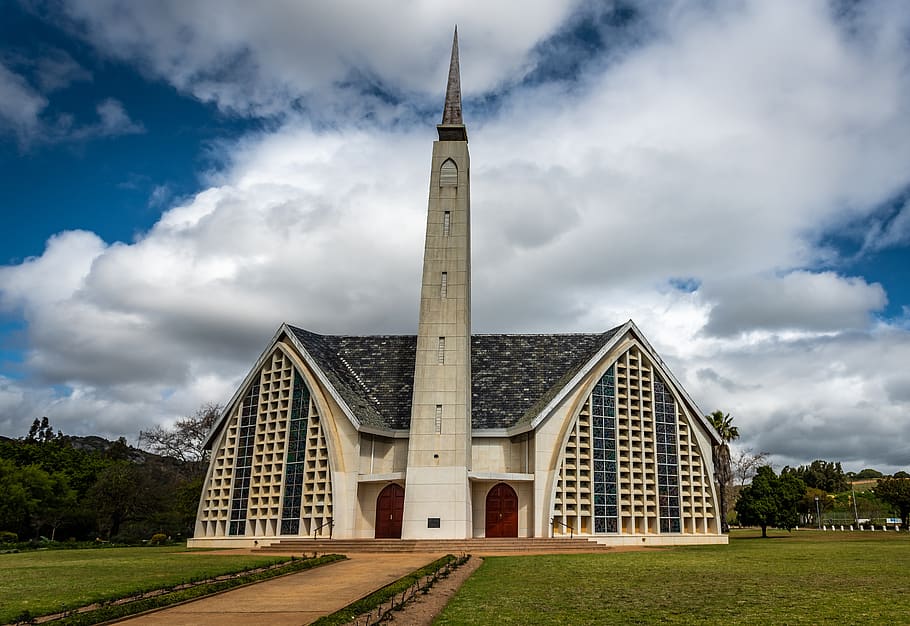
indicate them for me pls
(502, 512)
(389, 512)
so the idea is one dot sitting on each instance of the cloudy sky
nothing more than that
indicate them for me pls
(178, 178)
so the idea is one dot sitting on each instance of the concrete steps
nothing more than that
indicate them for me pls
(452, 546)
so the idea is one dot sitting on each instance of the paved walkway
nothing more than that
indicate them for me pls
(297, 598)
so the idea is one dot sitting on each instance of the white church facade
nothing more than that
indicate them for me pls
(450, 435)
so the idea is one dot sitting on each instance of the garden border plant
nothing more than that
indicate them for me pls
(430, 572)
(149, 600)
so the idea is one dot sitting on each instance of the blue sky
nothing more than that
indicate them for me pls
(180, 178)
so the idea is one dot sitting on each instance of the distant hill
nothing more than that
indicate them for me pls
(100, 445)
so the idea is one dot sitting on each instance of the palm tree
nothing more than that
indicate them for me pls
(723, 424)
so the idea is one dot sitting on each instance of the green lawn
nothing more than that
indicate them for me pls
(808, 577)
(42, 582)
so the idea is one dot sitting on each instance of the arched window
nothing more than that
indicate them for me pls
(448, 174)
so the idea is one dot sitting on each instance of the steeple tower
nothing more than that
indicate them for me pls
(437, 491)
(452, 127)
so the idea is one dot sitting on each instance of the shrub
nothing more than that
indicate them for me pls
(7, 536)
(158, 539)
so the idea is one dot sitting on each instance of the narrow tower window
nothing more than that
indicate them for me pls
(444, 285)
(438, 418)
(441, 350)
(446, 223)
(448, 174)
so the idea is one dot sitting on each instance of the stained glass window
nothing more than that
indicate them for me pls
(243, 466)
(603, 419)
(667, 458)
(294, 468)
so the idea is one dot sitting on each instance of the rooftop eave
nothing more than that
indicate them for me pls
(628, 327)
(385, 432)
(216, 427)
(317, 371)
(579, 376)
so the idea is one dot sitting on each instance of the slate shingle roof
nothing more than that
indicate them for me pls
(513, 376)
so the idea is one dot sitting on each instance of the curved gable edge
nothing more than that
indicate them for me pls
(627, 328)
(283, 331)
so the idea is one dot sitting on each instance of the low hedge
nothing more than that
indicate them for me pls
(112, 611)
(369, 603)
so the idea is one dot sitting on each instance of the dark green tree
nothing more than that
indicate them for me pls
(823, 475)
(790, 491)
(896, 492)
(867, 474)
(58, 506)
(41, 431)
(770, 500)
(117, 497)
(14, 498)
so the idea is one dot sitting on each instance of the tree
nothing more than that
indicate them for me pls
(807, 505)
(901, 474)
(41, 431)
(868, 474)
(746, 464)
(770, 500)
(185, 440)
(723, 424)
(723, 472)
(56, 507)
(828, 477)
(790, 490)
(116, 497)
(896, 492)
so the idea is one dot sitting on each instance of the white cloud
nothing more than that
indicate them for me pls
(113, 120)
(56, 69)
(20, 105)
(247, 57)
(797, 301)
(702, 153)
(23, 108)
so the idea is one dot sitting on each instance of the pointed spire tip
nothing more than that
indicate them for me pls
(451, 112)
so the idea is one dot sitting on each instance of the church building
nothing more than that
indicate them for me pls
(450, 435)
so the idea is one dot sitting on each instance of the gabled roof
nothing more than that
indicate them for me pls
(513, 376)
(373, 374)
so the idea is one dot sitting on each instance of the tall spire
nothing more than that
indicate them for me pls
(452, 127)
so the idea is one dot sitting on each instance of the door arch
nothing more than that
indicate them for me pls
(389, 512)
(502, 512)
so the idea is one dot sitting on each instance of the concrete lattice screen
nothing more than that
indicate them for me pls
(636, 490)
(265, 506)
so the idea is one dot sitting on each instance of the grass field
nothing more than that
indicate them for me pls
(808, 577)
(41, 582)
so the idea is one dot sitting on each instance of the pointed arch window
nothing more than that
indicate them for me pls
(448, 174)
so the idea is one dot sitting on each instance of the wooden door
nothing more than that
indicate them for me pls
(389, 512)
(502, 512)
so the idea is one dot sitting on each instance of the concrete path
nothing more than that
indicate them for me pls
(297, 598)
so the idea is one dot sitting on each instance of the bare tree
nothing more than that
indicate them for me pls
(185, 440)
(746, 464)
